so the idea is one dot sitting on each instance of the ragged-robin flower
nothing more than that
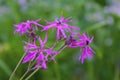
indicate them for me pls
(87, 51)
(35, 52)
(83, 42)
(26, 27)
(61, 26)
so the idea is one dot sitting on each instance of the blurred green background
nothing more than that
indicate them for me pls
(100, 18)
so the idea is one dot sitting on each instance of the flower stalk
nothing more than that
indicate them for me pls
(17, 66)
(32, 74)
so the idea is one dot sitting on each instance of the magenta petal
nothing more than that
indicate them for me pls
(87, 53)
(90, 50)
(91, 39)
(73, 46)
(63, 33)
(81, 44)
(67, 27)
(29, 57)
(48, 51)
(75, 28)
(45, 28)
(44, 65)
(40, 60)
(46, 38)
(83, 56)
(42, 43)
(30, 46)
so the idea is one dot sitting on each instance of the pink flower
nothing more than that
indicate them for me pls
(83, 42)
(25, 27)
(61, 26)
(33, 50)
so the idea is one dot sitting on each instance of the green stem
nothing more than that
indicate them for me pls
(28, 70)
(24, 75)
(62, 48)
(17, 67)
(56, 42)
(32, 74)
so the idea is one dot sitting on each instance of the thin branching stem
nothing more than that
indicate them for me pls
(28, 70)
(17, 67)
(24, 75)
(32, 74)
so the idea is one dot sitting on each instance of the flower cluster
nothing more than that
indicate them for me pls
(39, 53)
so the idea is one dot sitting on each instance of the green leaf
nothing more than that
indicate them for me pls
(96, 26)
(5, 68)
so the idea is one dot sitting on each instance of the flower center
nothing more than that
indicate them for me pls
(59, 23)
(87, 42)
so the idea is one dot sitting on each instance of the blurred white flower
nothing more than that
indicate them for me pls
(113, 8)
